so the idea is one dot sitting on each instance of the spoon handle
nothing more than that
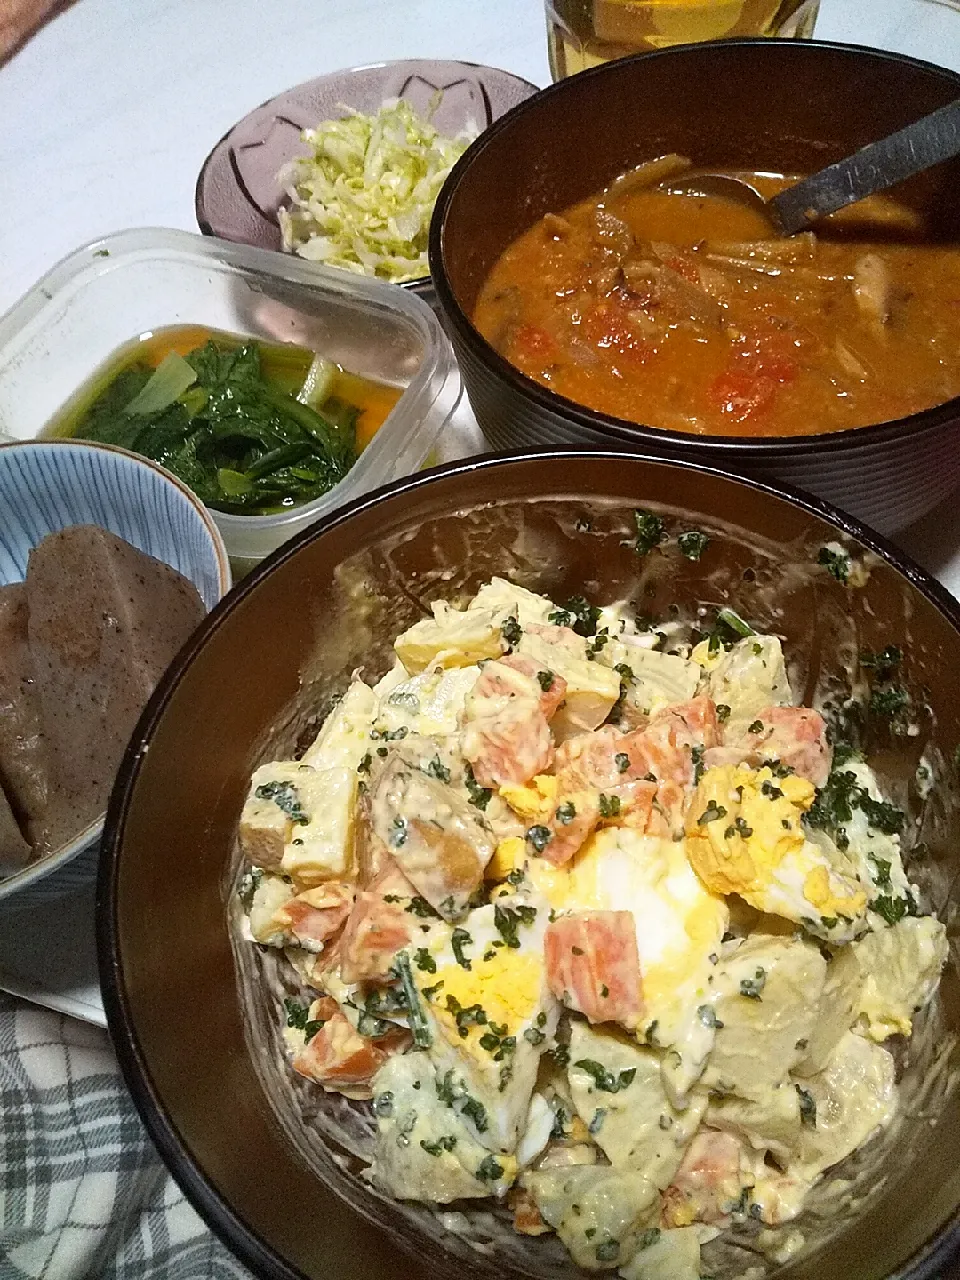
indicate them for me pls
(920, 145)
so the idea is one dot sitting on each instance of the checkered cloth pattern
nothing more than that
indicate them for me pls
(83, 1193)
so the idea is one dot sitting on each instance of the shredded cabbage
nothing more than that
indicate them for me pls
(363, 199)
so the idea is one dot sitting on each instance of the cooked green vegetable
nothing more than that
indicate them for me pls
(171, 378)
(236, 435)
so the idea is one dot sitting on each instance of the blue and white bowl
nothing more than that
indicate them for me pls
(46, 486)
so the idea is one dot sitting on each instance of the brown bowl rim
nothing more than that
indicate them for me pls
(636, 434)
(226, 1222)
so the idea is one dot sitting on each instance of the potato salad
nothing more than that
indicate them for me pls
(597, 920)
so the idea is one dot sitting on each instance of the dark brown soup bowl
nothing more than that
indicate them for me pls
(781, 105)
(271, 1162)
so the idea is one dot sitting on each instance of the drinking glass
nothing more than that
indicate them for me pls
(584, 33)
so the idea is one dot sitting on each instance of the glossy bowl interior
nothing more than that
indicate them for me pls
(238, 195)
(782, 105)
(48, 486)
(286, 1194)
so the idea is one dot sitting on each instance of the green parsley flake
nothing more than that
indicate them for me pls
(445, 1143)
(606, 1081)
(609, 806)
(836, 563)
(478, 796)
(437, 769)
(489, 1169)
(578, 614)
(511, 631)
(539, 837)
(459, 939)
(248, 887)
(284, 795)
(650, 531)
(693, 544)
(808, 1107)
(883, 662)
(507, 921)
(751, 988)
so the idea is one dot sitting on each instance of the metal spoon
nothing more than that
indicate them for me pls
(882, 164)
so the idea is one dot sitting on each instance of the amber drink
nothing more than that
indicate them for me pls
(584, 33)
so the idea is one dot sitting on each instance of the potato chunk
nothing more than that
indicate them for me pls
(765, 1015)
(440, 842)
(451, 638)
(301, 819)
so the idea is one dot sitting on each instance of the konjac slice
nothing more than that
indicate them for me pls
(23, 758)
(14, 849)
(105, 620)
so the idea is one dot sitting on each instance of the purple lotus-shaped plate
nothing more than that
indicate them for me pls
(238, 194)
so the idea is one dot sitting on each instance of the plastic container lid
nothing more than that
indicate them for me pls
(133, 282)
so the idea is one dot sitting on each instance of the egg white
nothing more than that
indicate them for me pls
(679, 927)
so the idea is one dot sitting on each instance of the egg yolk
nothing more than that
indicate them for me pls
(507, 988)
(742, 824)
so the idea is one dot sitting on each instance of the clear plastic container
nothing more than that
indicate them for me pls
(127, 284)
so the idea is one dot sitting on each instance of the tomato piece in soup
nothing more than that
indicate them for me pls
(531, 343)
(739, 395)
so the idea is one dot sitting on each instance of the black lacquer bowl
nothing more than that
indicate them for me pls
(781, 105)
